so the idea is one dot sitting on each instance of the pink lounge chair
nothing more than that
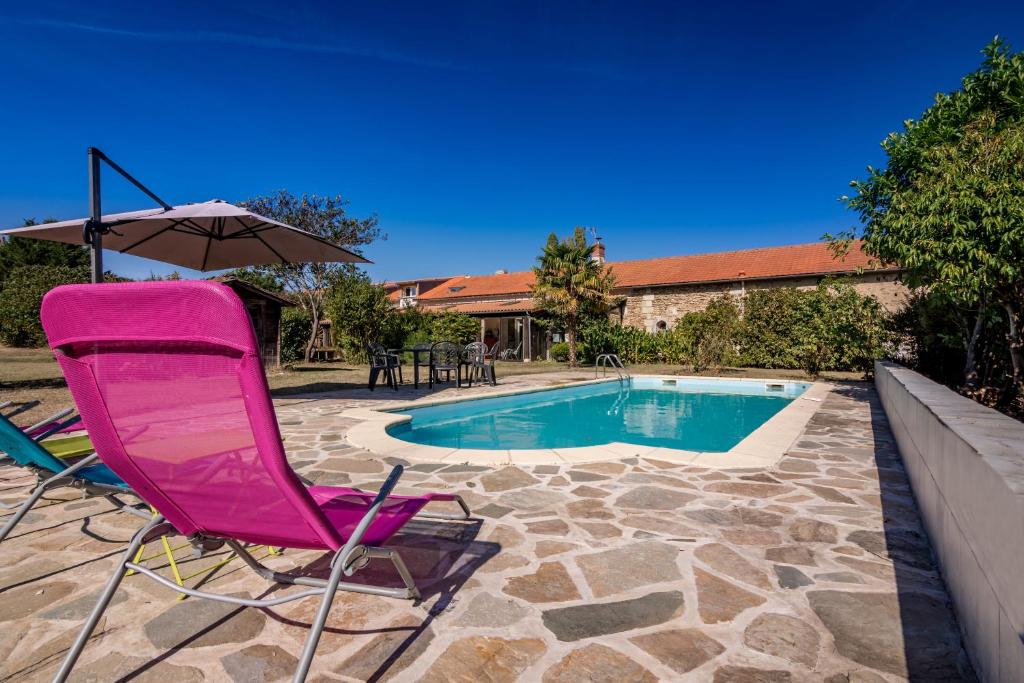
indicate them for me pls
(168, 380)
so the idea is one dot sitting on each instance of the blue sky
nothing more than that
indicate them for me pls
(473, 129)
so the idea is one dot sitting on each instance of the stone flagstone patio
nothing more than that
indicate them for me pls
(632, 570)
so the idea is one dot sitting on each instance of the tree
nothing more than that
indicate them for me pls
(569, 284)
(22, 296)
(360, 313)
(325, 217)
(949, 205)
(454, 327)
(20, 251)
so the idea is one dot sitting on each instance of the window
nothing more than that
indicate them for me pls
(410, 291)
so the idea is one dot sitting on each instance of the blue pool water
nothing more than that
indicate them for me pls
(696, 415)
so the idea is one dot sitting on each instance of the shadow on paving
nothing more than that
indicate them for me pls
(921, 617)
(440, 555)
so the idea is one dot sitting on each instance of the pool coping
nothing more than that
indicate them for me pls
(763, 447)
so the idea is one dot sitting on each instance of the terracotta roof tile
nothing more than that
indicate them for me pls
(749, 264)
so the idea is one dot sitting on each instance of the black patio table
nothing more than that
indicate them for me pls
(415, 362)
(416, 365)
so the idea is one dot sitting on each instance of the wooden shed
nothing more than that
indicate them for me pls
(264, 310)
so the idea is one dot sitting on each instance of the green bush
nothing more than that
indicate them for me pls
(831, 327)
(294, 334)
(770, 317)
(560, 352)
(454, 327)
(22, 296)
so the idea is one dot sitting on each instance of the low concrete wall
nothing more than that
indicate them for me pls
(966, 466)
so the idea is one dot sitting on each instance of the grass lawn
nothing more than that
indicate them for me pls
(33, 374)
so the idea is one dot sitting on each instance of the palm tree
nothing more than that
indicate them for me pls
(569, 283)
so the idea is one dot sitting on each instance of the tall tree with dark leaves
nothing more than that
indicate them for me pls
(570, 284)
(326, 217)
(949, 205)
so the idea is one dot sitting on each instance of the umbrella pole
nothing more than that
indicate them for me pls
(95, 234)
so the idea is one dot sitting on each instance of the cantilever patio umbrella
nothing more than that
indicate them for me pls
(211, 235)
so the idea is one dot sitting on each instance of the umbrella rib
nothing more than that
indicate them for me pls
(206, 252)
(278, 255)
(159, 232)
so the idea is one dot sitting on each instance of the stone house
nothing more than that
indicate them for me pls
(652, 293)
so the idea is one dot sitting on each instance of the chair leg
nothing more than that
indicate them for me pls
(317, 627)
(373, 377)
(24, 508)
(101, 605)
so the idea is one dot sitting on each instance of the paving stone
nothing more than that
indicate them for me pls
(797, 465)
(600, 529)
(661, 525)
(553, 527)
(760, 537)
(875, 569)
(603, 467)
(590, 492)
(589, 508)
(681, 650)
(201, 623)
(597, 664)
(545, 548)
(425, 467)
(390, 652)
(859, 676)
(792, 554)
(507, 478)
(655, 478)
(602, 618)
(493, 511)
(622, 569)
(757, 517)
(715, 517)
(27, 600)
(653, 498)
(352, 466)
(506, 537)
(550, 583)
(117, 667)
(813, 531)
(581, 476)
(546, 469)
(725, 560)
(783, 636)
(80, 608)
(259, 664)
(750, 489)
(747, 674)
(910, 634)
(491, 611)
(839, 577)
(481, 658)
(718, 600)
(532, 498)
(829, 494)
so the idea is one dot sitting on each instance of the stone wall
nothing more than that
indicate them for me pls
(646, 306)
(965, 463)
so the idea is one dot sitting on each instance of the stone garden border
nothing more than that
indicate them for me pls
(761, 448)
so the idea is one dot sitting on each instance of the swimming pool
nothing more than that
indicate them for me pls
(684, 414)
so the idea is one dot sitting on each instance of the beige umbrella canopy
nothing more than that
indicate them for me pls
(211, 235)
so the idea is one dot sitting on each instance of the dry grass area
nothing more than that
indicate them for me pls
(33, 375)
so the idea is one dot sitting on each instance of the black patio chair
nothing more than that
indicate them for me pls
(445, 357)
(382, 361)
(479, 363)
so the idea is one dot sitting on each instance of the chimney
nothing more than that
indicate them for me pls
(598, 253)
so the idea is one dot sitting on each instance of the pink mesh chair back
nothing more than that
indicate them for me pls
(168, 380)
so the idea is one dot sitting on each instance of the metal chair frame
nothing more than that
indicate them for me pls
(352, 557)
